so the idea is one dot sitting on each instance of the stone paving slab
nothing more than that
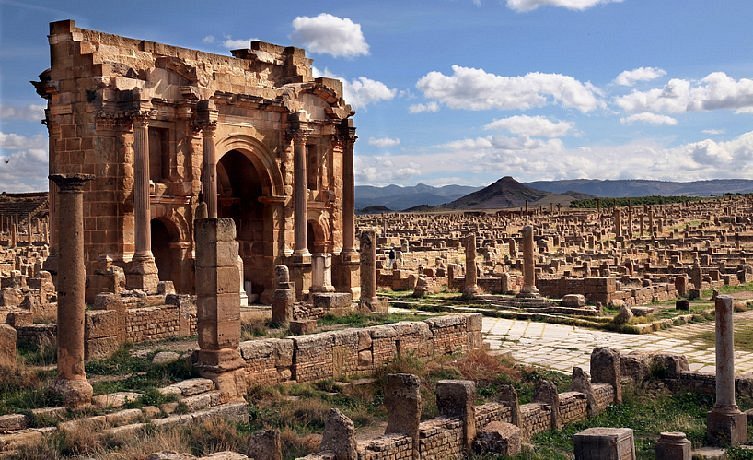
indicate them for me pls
(560, 347)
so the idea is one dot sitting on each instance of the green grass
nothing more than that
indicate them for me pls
(140, 374)
(646, 415)
(22, 389)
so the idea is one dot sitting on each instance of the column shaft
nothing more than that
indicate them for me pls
(725, 352)
(300, 194)
(348, 193)
(141, 211)
(209, 174)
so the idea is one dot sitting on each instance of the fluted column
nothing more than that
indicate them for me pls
(300, 195)
(348, 231)
(143, 270)
(71, 381)
(209, 170)
(141, 210)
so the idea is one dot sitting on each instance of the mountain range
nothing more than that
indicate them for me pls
(507, 192)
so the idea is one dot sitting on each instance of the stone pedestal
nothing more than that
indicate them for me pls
(321, 273)
(218, 304)
(673, 445)
(71, 382)
(604, 444)
(347, 274)
(726, 424)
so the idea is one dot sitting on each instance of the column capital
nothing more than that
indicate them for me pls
(71, 182)
(141, 118)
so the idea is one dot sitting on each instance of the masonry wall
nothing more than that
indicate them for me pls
(356, 351)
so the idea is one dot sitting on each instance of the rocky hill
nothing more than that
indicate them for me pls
(509, 193)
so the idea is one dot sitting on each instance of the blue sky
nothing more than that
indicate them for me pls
(458, 91)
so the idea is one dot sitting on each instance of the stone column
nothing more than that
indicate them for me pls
(284, 297)
(301, 192)
(13, 235)
(218, 303)
(726, 424)
(369, 301)
(143, 270)
(617, 222)
(71, 381)
(470, 288)
(207, 119)
(673, 445)
(348, 232)
(529, 265)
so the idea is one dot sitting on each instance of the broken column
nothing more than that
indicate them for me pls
(339, 437)
(455, 398)
(726, 424)
(284, 297)
(402, 396)
(673, 445)
(470, 288)
(529, 265)
(218, 304)
(605, 368)
(71, 381)
(696, 280)
(545, 392)
(369, 301)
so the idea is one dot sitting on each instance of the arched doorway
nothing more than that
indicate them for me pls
(239, 186)
(165, 255)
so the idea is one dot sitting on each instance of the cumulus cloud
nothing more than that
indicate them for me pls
(327, 34)
(384, 142)
(427, 107)
(475, 89)
(716, 91)
(650, 118)
(383, 170)
(208, 39)
(30, 112)
(486, 158)
(23, 163)
(631, 77)
(523, 6)
(713, 132)
(360, 91)
(525, 125)
(231, 44)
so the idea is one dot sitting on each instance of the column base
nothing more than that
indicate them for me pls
(471, 292)
(142, 273)
(75, 393)
(530, 293)
(726, 426)
(372, 305)
(218, 361)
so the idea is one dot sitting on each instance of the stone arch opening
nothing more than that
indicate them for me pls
(240, 184)
(166, 255)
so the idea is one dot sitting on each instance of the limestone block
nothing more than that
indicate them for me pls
(498, 438)
(265, 444)
(12, 422)
(673, 445)
(605, 368)
(455, 398)
(402, 396)
(102, 347)
(339, 436)
(8, 338)
(103, 323)
(302, 327)
(604, 444)
(574, 300)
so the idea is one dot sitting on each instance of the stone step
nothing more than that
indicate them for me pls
(190, 387)
(203, 400)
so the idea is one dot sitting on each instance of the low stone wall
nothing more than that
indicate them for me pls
(451, 436)
(356, 351)
(596, 289)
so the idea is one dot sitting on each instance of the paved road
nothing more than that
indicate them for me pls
(561, 347)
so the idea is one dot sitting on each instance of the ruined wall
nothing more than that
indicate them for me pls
(349, 352)
(441, 438)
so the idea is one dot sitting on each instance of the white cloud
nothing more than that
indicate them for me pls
(522, 6)
(475, 89)
(384, 142)
(648, 117)
(231, 44)
(716, 91)
(525, 125)
(30, 112)
(631, 77)
(23, 163)
(360, 91)
(208, 39)
(327, 34)
(383, 170)
(713, 132)
(484, 159)
(428, 107)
